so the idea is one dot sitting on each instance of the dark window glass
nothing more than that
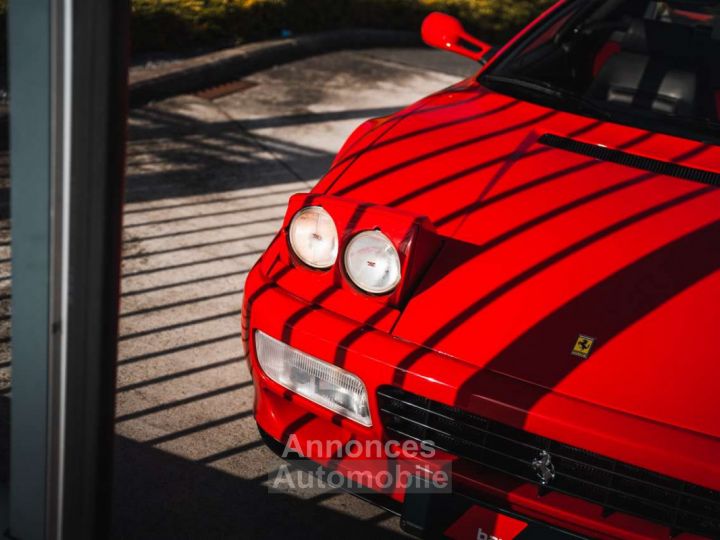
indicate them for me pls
(649, 64)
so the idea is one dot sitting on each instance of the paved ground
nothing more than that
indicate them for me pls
(207, 185)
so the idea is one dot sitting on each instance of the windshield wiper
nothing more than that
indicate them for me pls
(549, 90)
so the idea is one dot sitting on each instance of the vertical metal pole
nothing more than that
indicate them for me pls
(68, 77)
(93, 205)
(29, 24)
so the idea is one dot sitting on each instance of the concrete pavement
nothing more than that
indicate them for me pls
(208, 181)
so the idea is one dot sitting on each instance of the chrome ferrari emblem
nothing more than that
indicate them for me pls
(544, 468)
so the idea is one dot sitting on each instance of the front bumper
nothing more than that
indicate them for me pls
(376, 357)
(432, 516)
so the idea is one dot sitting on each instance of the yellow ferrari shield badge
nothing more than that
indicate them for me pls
(583, 346)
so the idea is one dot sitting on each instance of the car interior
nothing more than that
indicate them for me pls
(653, 58)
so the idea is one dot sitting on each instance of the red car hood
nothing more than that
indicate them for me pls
(543, 245)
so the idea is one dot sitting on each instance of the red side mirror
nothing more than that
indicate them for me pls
(446, 33)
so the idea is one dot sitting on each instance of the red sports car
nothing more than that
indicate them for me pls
(520, 275)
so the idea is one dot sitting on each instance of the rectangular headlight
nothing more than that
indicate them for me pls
(325, 384)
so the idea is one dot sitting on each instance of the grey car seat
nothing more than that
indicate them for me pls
(653, 70)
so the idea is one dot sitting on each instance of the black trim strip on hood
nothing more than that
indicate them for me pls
(631, 160)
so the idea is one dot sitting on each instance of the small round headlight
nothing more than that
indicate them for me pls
(372, 262)
(313, 237)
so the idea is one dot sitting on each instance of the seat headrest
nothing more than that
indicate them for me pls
(635, 38)
(667, 39)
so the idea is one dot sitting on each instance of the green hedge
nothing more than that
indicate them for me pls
(178, 25)
(185, 25)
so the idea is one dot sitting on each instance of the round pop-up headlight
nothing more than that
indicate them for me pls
(372, 262)
(314, 238)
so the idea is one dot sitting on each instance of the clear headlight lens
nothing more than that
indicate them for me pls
(325, 384)
(372, 262)
(314, 238)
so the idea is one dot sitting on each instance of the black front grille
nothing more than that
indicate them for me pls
(616, 486)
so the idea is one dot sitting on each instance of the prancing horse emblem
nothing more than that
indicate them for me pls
(544, 468)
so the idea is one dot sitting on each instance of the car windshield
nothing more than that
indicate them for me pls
(654, 65)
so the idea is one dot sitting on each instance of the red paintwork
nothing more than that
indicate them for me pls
(698, 17)
(446, 33)
(490, 523)
(521, 248)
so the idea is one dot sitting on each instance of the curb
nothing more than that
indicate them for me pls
(219, 67)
